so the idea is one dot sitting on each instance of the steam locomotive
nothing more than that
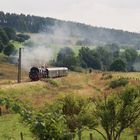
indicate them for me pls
(36, 74)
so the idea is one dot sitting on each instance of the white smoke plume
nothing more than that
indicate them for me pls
(45, 46)
(57, 35)
(36, 56)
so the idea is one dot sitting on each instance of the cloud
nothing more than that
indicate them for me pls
(120, 4)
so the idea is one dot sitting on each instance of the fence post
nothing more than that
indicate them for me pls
(135, 137)
(79, 134)
(21, 135)
(135, 134)
(71, 136)
(0, 111)
(90, 136)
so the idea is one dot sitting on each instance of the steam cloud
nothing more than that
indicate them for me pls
(46, 46)
(36, 56)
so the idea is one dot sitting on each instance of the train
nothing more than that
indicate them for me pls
(36, 73)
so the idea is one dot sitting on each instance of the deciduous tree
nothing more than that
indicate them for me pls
(116, 112)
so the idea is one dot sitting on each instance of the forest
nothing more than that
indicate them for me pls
(105, 58)
(85, 34)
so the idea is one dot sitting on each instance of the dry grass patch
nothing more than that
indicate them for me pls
(37, 94)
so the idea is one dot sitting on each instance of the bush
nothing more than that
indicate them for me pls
(106, 76)
(77, 69)
(9, 49)
(47, 126)
(1, 74)
(118, 83)
(52, 82)
(1, 46)
(118, 65)
(22, 37)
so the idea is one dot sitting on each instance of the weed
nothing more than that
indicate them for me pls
(1, 74)
(53, 82)
(118, 83)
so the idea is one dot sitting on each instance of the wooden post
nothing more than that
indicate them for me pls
(19, 67)
(90, 136)
(135, 137)
(135, 134)
(73, 136)
(0, 111)
(79, 134)
(21, 135)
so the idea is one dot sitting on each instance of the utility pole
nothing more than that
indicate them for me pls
(19, 67)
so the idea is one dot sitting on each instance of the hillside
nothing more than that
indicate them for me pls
(46, 91)
(41, 93)
(81, 33)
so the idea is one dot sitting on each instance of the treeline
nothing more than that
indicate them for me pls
(85, 34)
(105, 58)
(8, 34)
(23, 23)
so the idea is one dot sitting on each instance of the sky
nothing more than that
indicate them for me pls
(118, 14)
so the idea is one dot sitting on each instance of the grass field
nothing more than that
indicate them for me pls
(11, 127)
(37, 94)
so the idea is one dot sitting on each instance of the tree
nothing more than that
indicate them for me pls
(88, 58)
(22, 37)
(113, 49)
(116, 112)
(9, 49)
(3, 36)
(66, 57)
(11, 33)
(71, 108)
(129, 55)
(48, 125)
(1, 46)
(55, 121)
(105, 57)
(118, 65)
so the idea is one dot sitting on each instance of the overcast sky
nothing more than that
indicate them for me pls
(118, 14)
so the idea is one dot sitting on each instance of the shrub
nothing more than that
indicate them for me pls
(52, 82)
(22, 37)
(119, 82)
(106, 76)
(1, 74)
(9, 49)
(77, 69)
(50, 125)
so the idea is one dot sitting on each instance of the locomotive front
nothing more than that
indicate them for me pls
(34, 74)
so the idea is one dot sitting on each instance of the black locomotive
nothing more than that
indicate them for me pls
(36, 74)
